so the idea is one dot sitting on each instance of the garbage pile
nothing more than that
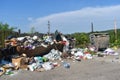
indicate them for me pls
(30, 53)
(31, 46)
(44, 63)
(81, 53)
(37, 54)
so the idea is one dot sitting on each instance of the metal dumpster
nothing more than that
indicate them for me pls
(100, 40)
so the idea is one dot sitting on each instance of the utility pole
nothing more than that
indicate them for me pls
(48, 27)
(92, 27)
(19, 32)
(115, 29)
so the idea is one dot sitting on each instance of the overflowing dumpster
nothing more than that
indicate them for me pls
(99, 40)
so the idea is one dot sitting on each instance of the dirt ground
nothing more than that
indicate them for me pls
(98, 68)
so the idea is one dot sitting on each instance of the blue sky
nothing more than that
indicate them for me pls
(66, 16)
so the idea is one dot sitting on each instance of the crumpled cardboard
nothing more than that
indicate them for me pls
(2, 71)
(19, 62)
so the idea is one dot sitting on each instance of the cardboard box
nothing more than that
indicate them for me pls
(18, 61)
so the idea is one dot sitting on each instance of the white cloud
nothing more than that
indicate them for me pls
(80, 20)
(30, 19)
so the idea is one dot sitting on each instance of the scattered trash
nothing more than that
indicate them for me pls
(9, 72)
(109, 51)
(48, 66)
(66, 65)
(88, 56)
(2, 71)
(100, 55)
(53, 55)
(32, 67)
(19, 62)
(37, 54)
(55, 64)
(78, 58)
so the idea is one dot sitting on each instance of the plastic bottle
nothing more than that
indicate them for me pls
(66, 65)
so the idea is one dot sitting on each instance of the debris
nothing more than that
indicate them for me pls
(109, 51)
(2, 71)
(36, 54)
(9, 72)
(53, 55)
(48, 65)
(19, 62)
(66, 65)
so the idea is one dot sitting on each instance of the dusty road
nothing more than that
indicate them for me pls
(96, 69)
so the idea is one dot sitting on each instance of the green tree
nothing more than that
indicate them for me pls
(82, 39)
(5, 27)
(5, 30)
